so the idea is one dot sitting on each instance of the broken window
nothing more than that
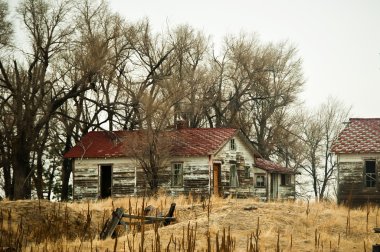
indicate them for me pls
(177, 174)
(260, 180)
(286, 179)
(234, 181)
(370, 173)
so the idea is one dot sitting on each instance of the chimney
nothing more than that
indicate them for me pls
(181, 124)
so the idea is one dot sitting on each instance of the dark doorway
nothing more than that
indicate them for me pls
(105, 181)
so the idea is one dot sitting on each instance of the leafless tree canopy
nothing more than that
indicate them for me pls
(83, 67)
(5, 24)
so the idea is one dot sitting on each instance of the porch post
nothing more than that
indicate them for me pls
(268, 185)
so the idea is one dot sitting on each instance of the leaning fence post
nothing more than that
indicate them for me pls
(376, 247)
(110, 225)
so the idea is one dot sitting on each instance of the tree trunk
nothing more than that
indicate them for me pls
(21, 168)
(154, 181)
(5, 155)
(66, 172)
(51, 181)
(66, 167)
(39, 179)
(8, 187)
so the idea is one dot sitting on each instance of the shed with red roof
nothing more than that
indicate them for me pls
(207, 161)
(358, 156)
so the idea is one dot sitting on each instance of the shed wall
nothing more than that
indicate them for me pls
(351, 186)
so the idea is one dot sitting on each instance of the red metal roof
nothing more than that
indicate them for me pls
(183, 142)
(272, 167)
(361, 135)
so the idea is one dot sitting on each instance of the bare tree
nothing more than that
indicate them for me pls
(190, 74)
(35, 89)
(5, 25)
(276, 91)
(320, 130)
(255, 86)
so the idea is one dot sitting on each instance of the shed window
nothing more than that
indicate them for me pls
(232, 144)
(260, 180)
(286, 179)
(177, 174)
(234, 181)
(370, 173)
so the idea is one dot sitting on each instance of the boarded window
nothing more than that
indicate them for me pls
(232, 144)
(370, 173)
(286, 179)
(260, 180)
(234, 181)
(177, 174)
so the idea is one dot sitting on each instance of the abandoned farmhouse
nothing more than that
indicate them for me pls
(358, 157)
(204, 161)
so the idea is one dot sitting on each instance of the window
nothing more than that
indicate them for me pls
(286, 179)
(247, 174)
(177, 174)
(232, 144)
(370, 173)
(260, 180)
(234, 181)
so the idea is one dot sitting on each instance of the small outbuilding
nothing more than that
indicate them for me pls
(203, 161)
(358, 155)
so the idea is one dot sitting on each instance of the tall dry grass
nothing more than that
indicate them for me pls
(212, 225)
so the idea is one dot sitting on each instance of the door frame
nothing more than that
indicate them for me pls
(100, 179)
(216, 184)
(274, 185)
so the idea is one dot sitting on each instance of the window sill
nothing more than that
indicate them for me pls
(370, 188)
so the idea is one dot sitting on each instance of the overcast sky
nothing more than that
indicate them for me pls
(339, 41)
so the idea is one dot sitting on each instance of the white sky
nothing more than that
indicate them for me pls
(339, 41)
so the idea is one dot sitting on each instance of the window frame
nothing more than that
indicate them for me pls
(174, 177)
(368, 180)
(263, 182)
(285, 179)
(232, 144)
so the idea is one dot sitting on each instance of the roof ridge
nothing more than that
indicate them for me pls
(365, 118)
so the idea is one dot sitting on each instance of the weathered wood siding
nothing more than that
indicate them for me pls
(85, 181)
(195, 176)
(129, 179)
(242, 156)
(86, 177)
(351, 186)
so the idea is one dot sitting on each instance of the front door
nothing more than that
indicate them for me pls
(216, 179)
(274, 186)
(105, 181)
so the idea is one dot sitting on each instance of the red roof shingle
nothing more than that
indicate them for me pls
(272, 167)
(183, 142)
(361, 135)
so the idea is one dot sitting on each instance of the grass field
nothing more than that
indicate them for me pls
(213, 225)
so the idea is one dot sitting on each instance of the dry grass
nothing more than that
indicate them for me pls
(215, 225)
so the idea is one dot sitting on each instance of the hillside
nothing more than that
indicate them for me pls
(277, 226)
